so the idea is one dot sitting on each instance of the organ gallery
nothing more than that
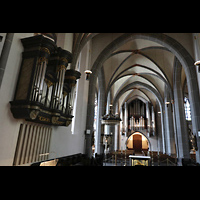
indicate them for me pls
(136, 103)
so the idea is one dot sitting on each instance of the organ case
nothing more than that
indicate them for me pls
(45, 88)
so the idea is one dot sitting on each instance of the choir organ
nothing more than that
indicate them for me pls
(45, 87)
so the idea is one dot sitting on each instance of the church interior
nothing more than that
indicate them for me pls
(100, 99)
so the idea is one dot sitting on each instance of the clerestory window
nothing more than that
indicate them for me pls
(187, 109)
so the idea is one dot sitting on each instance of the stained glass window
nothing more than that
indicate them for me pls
(187, 109)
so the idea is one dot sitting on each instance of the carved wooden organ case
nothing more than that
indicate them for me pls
(45, 88)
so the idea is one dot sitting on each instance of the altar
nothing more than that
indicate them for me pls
(139, 160)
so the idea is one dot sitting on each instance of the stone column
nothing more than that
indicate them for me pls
(148, 118)
(159, 128)
(90, 116)
(196, 42)
(153, 121)
(170, 141)
(99, 126)
(107, 127)
(116, 133)
(126, 118)
(182, 135)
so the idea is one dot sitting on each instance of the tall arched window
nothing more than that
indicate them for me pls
(187, 109)
(95, 112)
(95, 124)
(75, 99)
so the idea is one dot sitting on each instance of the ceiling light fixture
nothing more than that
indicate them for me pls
(197, 63)
(88, 72)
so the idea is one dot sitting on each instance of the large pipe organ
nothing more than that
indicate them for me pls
(141, 117)
(45, 87)
(137, 115)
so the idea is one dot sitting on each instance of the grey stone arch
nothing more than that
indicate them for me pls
(168, 115)
(173, 46)
(168, 129)
(160, 102)
(141, 75)
(80, 43)
(137, 97)
(100, 111)
(158, 75)
(133, 52)
(144, 55)
(150, 147)
(163, 77)
(124, 85)
(138, 52)
(168, 142)
(182, 139)
(128, 98)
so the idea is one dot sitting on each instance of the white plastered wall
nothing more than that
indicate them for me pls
(63, 142)
(9, 127)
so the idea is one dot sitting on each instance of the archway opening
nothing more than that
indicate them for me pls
(138, 143)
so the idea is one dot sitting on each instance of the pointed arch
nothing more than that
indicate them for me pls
(174, 47)
(134, 132)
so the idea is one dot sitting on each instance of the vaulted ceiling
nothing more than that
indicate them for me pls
(137, 61)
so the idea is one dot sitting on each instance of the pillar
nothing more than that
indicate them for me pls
(153, 121)
(116, 133)
(99, 126)
(107, 127)
(182, 135)
(148, 117)
(126, 118)
(170, 141)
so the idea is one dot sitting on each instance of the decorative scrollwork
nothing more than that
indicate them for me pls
(61, 67)
(34, 114)
(45, 50)
(63, 59)
(42, 59)
(54, 119)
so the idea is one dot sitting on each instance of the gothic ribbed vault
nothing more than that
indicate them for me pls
(141, 66)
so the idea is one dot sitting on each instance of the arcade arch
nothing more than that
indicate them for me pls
(141, 141)
(166, 42)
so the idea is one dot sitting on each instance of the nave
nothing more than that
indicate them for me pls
(84, 98)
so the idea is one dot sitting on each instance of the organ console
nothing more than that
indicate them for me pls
(45, 88)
